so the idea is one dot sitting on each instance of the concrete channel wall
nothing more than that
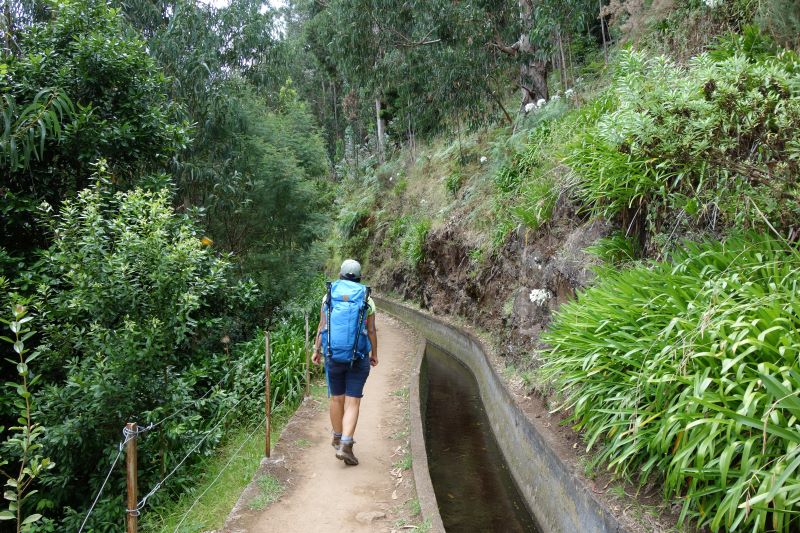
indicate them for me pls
(559, 499)
(417, 399)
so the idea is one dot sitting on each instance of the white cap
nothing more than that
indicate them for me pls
(351, 269)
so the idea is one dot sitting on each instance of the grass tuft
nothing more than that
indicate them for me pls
(271, 489)
(405, 462)
(413, 244)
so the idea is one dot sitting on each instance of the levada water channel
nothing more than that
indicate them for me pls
(474, 488)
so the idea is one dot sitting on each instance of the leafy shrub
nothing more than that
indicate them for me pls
(525, 185)
(22, 447)
(454, 181)
(260, 191)
(689, 370)
(781, 19)
(78, 87)
(129, 304)
(356, 221)
(351, 220)
(287, 364)
(122, 112)
(359, 243)
(400, 186)
(515, 171)
(397, 229)
(395, 234)
(750, 43)
(27, 128)
(723, 132)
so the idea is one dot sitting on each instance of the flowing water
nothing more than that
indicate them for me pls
(473, 486)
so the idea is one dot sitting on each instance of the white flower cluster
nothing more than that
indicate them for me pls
(530, 106)
(569, 93)
(484, 159)
(540, 296)
(713, 3)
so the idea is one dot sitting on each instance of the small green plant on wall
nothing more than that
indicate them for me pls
(413, 244)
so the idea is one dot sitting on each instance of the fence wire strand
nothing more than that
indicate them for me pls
(230, 461)
(140, 505)
(129, 435)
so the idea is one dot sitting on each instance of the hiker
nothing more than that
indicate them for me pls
(350, 348)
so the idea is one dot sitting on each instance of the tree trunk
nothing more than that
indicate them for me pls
(603, 28)
(564, 68)
(381, 127)
(412, 141)
(9, 29)
(533, 72)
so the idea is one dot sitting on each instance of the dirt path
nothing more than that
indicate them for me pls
(321, 493)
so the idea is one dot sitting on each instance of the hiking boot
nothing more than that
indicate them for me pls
(345, 453)
(336, 442)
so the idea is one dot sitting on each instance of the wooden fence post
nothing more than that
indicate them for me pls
(132, 516)
(267, 403)
(308, 362)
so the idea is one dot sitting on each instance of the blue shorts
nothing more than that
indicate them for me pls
(346, 379)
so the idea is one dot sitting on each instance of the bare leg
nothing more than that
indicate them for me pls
(337, 408)
(350, 419)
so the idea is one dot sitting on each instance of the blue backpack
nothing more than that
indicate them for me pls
(344, 338)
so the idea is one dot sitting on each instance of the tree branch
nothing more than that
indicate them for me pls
(418, 43)
(405, 41)
(512, 50)
(494, 96)
(530, 93)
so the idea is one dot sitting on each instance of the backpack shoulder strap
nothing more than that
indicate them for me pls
(362, 316)
(328, 306)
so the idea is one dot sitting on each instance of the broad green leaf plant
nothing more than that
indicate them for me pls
(687, 372)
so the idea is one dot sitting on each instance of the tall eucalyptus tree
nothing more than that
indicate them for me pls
(253, 165)
(78, 86)
(436, 62)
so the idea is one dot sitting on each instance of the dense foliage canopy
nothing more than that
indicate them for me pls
(163, 194)
(172, 168)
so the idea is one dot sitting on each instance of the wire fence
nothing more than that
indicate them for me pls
(129, 435)
(143, 501)
(228, 464)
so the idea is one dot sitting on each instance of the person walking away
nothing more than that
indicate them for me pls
(348, 340)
